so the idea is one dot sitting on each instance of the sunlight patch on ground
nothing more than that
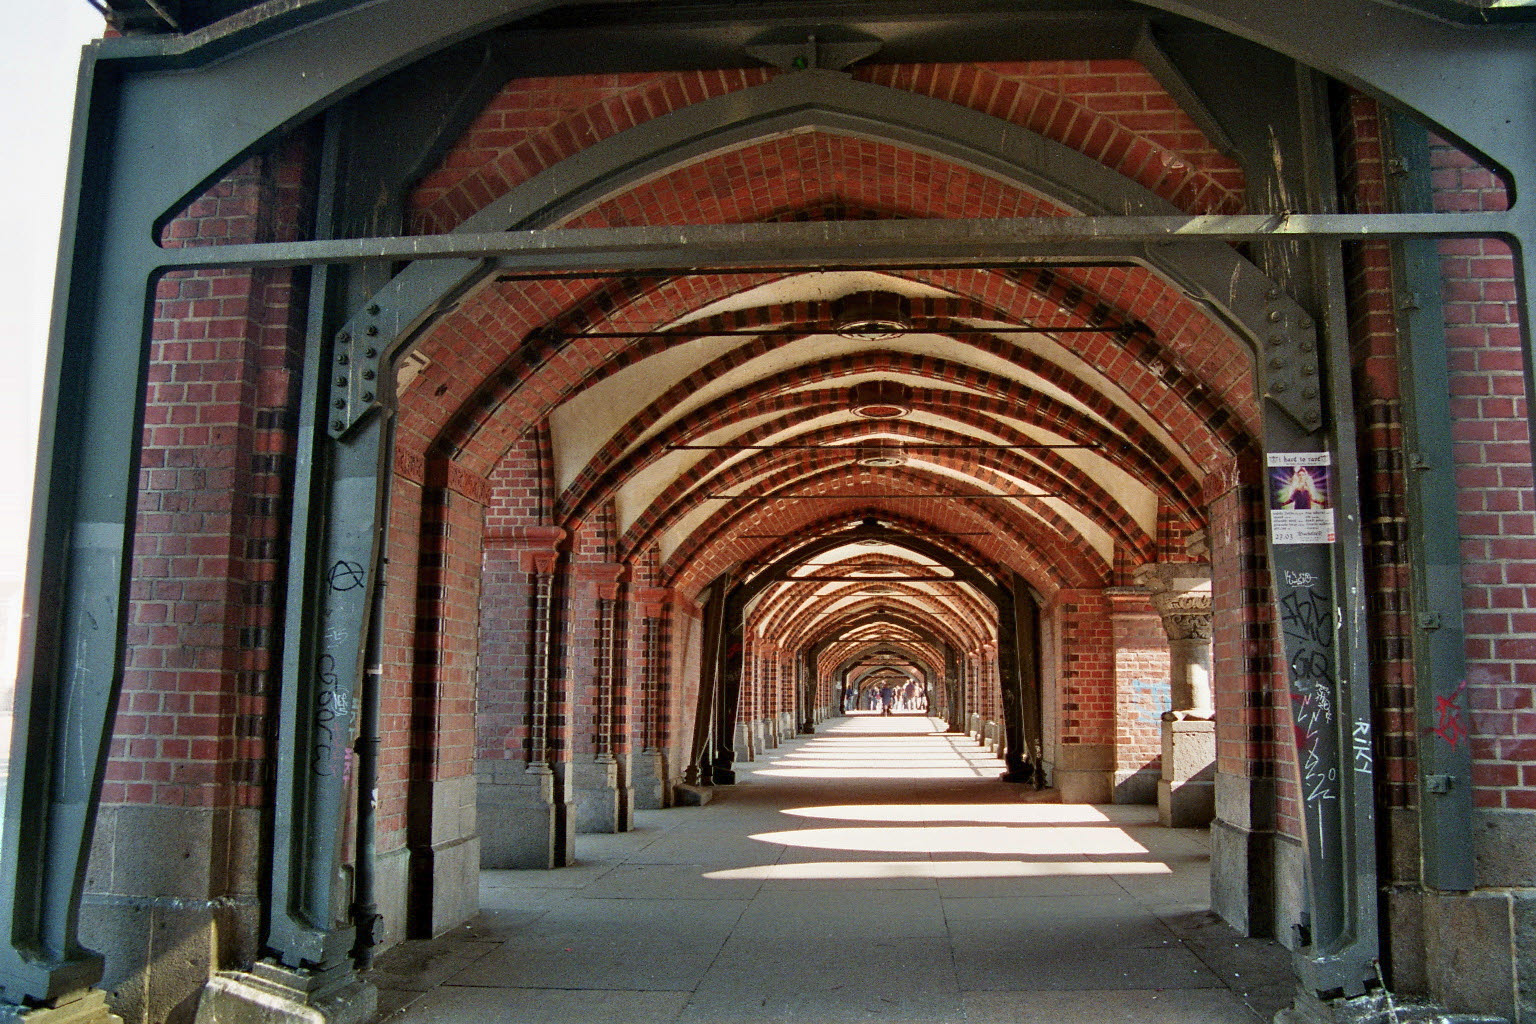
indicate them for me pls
(1019, 842)
(1024, 814)
(874, 773)
(938, 869)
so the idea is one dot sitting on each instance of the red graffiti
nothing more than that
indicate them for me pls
(1450, 726)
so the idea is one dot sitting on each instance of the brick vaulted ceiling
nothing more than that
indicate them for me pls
(1056, 422)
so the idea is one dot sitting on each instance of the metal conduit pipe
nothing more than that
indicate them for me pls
(365, 909)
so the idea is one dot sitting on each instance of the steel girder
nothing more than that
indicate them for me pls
(159, 117)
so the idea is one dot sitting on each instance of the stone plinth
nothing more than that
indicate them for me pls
(1186, 793)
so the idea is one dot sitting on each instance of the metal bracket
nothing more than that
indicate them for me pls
(829, 49)
(1288, 365)
(1439, 783)
(355, 368)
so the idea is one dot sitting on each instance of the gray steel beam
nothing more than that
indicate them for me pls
(1470, 81)
(336, 526)
(1446, 848)
(146, 136)
(602, 251)
(676, 37)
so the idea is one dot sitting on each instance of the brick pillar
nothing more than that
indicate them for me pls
(1141, 694)
(1243, 676)
(652, 779)
(441, 829)
(1085, 763)
(523, 764)
(173, 886)
(599, 770)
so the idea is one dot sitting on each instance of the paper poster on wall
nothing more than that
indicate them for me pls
(1300, 499)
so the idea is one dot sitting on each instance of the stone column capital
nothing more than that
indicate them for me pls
(1174, 577)
(1181, 594)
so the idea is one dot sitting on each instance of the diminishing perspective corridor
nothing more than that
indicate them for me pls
(875, 871)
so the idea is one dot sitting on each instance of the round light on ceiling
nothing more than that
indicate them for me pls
(881, 455)
(873, 316)
(880, 399)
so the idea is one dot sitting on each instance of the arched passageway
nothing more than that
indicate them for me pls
(549, 411)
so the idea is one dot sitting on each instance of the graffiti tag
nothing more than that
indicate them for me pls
(1450, 726)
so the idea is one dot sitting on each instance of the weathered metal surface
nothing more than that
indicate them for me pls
(1446, 847)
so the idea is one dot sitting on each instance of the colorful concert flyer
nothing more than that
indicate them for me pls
(1300, 500)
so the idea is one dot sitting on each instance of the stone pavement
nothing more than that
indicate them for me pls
(877, 871)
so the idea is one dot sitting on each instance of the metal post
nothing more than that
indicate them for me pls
(1313, 507)
(1434, 535)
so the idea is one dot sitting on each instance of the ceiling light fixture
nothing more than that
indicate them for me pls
(871, 316)
(880, 399)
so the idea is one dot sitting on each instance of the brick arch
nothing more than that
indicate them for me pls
(810, 171)
(548, 366)
(1039, 528)
(946, 627)
(751, 474)
(724, 551)
(533, 123)
(992, 396)
(1060, 473)
(791, 324)
(816, 403)
(811, 616)
(1126, 197)
(782, 612)
(1042, 564)
(1083, 104)
(789, 618)
(1050, 293)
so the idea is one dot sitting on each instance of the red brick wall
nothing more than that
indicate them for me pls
(1113, 111)
(1087, 671)
(1141, 683)
(204, 604)
(1494, 489)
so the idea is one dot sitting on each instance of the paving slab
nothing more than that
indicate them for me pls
(1125, 1006)
(878, 871)
(459, 1005)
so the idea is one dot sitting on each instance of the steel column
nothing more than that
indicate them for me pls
(1446, 847)
(1319, 587)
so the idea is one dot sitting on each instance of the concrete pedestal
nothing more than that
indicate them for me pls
(90, 1008)
(1085, 773)
(604, 802)
(1186, 793)
(1243, 854)
(649, 783)
(525, 819)
(269, 994)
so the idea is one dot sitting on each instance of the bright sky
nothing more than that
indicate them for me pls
(37, 87)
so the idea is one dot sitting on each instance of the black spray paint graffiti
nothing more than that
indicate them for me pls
(1306, 617)
(345, 575)
(325, 714)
